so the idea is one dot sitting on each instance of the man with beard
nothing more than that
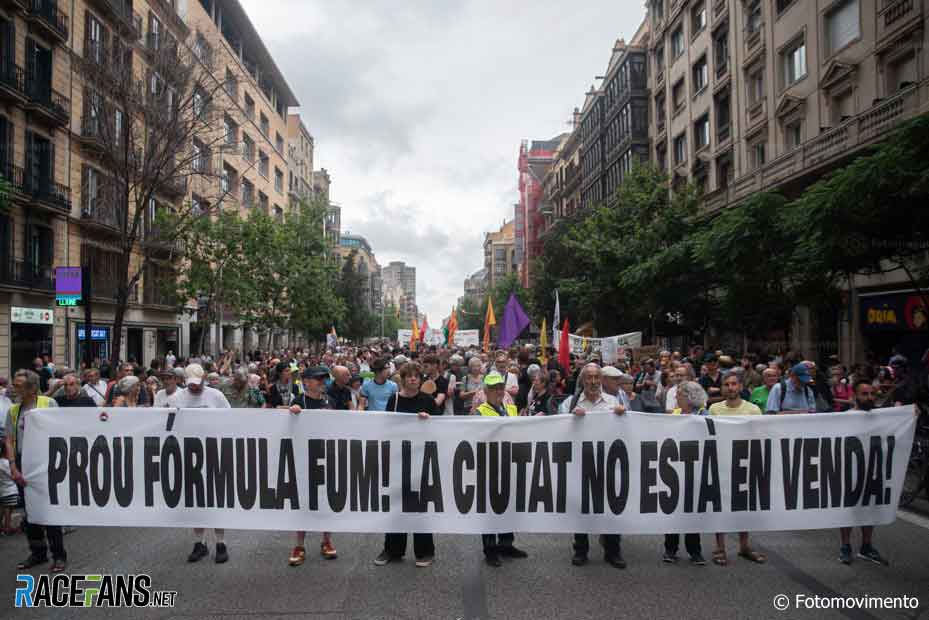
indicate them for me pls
(864, 401)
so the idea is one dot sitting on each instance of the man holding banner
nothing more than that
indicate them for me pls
(594, 400)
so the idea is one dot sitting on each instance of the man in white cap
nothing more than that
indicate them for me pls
(610, 376)
(198, 395)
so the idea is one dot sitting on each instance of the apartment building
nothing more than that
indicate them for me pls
(535, 159)
(500, 254)
(475, 288)
(35, 111)
(561, 187)
(299, 160)
(399, 289)
(368, 268)
(61, 212)
(756, 95)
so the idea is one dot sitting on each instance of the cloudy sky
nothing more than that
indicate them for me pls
(418, 108)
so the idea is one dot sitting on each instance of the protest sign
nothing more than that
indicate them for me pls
(390, 472)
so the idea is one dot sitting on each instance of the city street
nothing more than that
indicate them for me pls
(257, 582)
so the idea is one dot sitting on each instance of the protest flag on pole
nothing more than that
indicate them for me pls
(514, 322)
(414, 337)
(564, 349)
(489, 321)
(543, 343)
(452, 327)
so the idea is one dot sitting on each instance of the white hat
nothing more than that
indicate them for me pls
(194, 374)
(612, 372)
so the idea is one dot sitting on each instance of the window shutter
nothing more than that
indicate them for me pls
(8, 46)
(31, 52)
(842, 25)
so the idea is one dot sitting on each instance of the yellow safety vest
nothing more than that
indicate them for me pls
(41, 402)
(487, 410)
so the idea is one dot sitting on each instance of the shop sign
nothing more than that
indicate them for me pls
(901, 312)
(34, 316)
(97, 333)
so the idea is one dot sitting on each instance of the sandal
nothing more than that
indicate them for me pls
(297, 556)
(719, 557)
(753, 556)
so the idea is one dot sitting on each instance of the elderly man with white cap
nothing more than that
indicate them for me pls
(198, 395)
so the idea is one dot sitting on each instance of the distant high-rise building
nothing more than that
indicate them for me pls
(399, 285)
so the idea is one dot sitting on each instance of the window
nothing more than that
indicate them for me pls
(843, 107)
(230, 130)
(721, 51)
(723, 111)
(701, 75)
(248, 193)
(279, 142)
(661, 157)
(264, 124)
(756, 155)
(94, 38)
(697, 18)
(231, 84)
(680, 149)
(702, 132)
(263, 202)
(753, 17)
(658, 9)
(756, 86)
(278, 213)
(263, 164)
(248, 148)
(660, 114)
(793, 135)
(842, 25)
(677, 95)
(119, 127)
(677, 41)
(249, 107)
(278, 180)
(900, 73)
(724, 172)
(794, 61)
(200, 104)
(228, 180)
(782, 5)
(154, 32)
(202, 49)
(659, 60)
(200, 159)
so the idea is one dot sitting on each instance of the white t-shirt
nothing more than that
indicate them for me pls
(96, 391)
(208, 398)
(605, 402)
(670, 400)
(7, 485)
(163, 399)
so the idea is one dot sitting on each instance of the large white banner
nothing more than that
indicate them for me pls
(383, 472)
(467, 338)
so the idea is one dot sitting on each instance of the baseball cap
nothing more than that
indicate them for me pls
(494, 379)
(802, 372)
(194, 374)
(611, 371)
(316, 372)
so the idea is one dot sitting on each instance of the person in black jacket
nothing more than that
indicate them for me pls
(71, 394)
(284, 391)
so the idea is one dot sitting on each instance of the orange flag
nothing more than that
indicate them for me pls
(489, 321)
(414, 337)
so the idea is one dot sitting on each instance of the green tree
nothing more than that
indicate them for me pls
(357, 322)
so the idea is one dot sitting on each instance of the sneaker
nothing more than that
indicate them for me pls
(327, 550)
(697, 559)
(579, 558)
(424, 562)
(384, 559)
(845, 554)
(616, 561)
(59, 565)
(493, 559)
(510, 551)
(669, 557)
(222, 556)
(32, 560)
(200, 551)
(868, 552)
(297, 556)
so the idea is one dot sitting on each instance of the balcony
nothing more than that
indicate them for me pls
(27, 275)
(175, 187)
(91, 134)
(98, 212)
(47, 103)
(894, 16)
(829, 148)
(48, 193)
(13, 84)
(120, 12)
(46, 15)
(15, 177)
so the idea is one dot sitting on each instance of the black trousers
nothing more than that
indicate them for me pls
(423, 545)
(493, 542)
(611, 544)
(691, 543)
(36, 534)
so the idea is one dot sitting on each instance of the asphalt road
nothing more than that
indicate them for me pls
(258, 583)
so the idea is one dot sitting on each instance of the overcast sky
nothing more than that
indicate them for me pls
(418, 108)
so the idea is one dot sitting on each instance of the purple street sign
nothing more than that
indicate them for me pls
(68, 281)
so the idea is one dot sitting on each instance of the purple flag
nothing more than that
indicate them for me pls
(514, 322)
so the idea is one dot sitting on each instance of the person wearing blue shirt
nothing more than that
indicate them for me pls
(377, 391)
(793, 395)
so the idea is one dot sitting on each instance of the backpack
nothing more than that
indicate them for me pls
(783, 384)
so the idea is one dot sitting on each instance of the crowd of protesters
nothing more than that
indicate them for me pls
(455, 381)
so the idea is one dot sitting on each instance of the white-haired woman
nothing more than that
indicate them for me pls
(691, 400)
(129, 388)
(470, 384)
